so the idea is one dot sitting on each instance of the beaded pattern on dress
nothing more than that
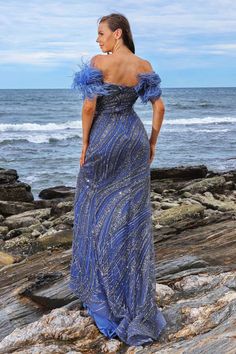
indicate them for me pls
(113, 267)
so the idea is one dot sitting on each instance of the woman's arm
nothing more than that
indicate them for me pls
(158, 111)
(157, 119)
(88, 110)
(158, 115)
(89, 107)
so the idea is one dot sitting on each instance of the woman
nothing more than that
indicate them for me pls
(113, 268)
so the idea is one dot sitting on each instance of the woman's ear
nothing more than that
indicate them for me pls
(118, 33)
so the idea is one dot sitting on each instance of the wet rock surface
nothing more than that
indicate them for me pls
(194, 224)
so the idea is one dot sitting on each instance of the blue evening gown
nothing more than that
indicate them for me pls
(113, 269)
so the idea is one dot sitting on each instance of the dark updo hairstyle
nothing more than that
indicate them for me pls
(117, 20)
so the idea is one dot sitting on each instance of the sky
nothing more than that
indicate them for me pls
(189, 43)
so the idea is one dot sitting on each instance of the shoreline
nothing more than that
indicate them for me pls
(194, 219)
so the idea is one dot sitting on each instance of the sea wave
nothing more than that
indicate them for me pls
(41, 127)
(195, 121)
(196, 131)
(195, 105)
(71, 125)
(39, 139)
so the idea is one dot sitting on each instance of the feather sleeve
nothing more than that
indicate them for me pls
(148, 87)
(89, 81)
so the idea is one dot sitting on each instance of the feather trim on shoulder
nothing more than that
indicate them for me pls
(89, 81)
(148, 86)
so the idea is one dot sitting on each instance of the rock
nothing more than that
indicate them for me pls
(190, 288)
(37, 226)
(214, 184)
(58, 332)
(62, 208)
(221, 197)
(47, 223)
(22, 245)
(32, 287)
(212, 203)
(175, 187)
(31, 242)
(178, 264)
(54, 238)
(169, 191)
(27, 218)
(164, 293)
(57, 192)
(205, 326)
(156, 197)
(230, 176)
(67, 219)
(35, 233)
(6, 258)
(189, 284)
(40, 214)
(16, 191)
(156, 205)
(214, 216)
(168, 205)
(183, 172)
(60, 227)
(230, 185)
(13, 233)
(3, 231)
(13, 190)
(186, 195)
(14, 222)
(36, 289)
(35, 229)
(8, 176)
(50, 203)
(8, 208)
(179, 213)
(198, 249)
(188, 201)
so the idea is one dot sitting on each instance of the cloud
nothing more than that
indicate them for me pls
(224, 48)
(38, 58)
(53, 33)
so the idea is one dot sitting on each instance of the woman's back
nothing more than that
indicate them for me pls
(121, 69)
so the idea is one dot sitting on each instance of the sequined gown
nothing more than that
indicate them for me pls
(113, 269)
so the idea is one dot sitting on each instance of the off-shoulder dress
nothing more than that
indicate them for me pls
(113, 262)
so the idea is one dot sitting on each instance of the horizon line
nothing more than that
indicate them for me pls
(64, 88)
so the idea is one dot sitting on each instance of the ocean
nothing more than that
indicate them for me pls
(41, 131)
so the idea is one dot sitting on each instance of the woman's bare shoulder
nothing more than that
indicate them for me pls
(96, 60)
(103, 62)
(145, 65)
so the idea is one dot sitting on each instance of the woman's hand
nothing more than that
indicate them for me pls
(83, 153)
(152, 152)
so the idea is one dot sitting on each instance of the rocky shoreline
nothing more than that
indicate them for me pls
(194, 223)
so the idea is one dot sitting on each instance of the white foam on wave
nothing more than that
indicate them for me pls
(196, 131)
(190, 121)
(77, 124)
(39, 139)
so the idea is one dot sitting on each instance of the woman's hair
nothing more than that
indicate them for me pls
(117, 20)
